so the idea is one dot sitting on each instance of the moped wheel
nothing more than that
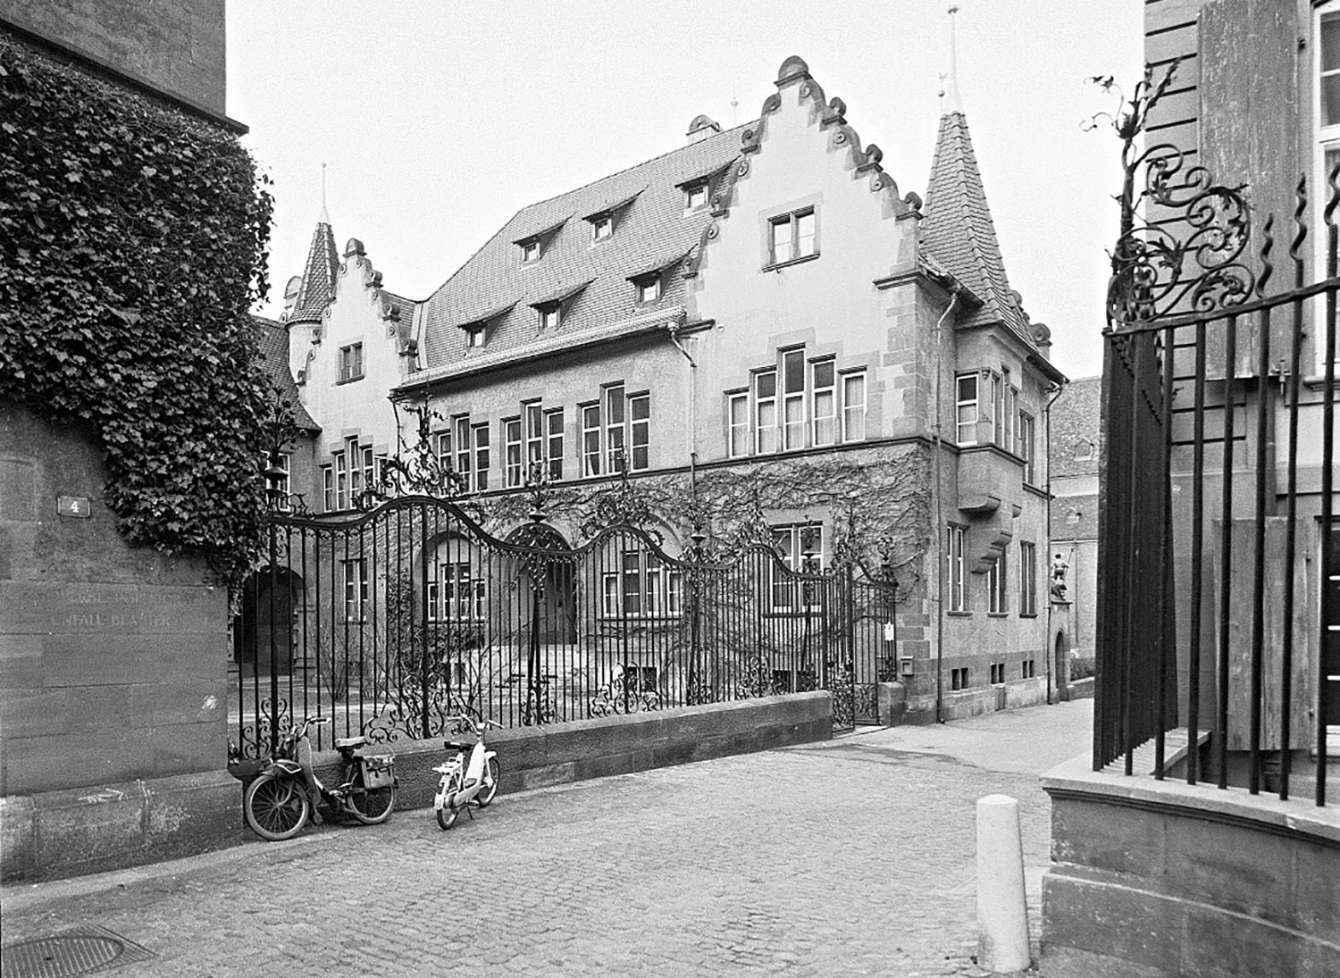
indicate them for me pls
(371, 806)
(447, 814)
(486, 794)
(275, 808)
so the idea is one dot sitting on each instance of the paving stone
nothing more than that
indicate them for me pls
(852, 857)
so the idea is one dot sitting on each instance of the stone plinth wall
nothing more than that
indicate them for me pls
(1160, 878)
(113, 664)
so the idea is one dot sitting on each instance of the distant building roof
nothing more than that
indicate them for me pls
(274, 348)
(1074, 423)
(651, 228)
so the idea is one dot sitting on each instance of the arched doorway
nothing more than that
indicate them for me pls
(263, 639)
(557, 607)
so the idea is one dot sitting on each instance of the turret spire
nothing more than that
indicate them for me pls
(324, 218)
(949, 97)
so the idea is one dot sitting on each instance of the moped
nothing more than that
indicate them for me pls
(466, 782)
(287, 792)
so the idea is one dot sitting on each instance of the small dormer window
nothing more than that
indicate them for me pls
(602, 226)
(695, 196)
(474, 338)
(649, 289)
(530, 250)
(551, 315)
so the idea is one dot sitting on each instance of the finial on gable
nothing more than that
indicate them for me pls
(793, 69)
(353, 247)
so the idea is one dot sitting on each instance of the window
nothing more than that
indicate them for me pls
(956, 590)
(737, 414)
(1327, 152)
(996, 586)
(641, 586)
(481, 470)
(512, 451)
(462, 426)
(649, 288)
(534, 416)
(793, 399)
(341, 481)
(590, 439)
(1027, 669)
(958, 678)
(444, 449)
(474, 337)
(553, 421)
(382, 467)
(327, 489)
(853, 406)
(1008, 413)
(639, 413)
(800, 549)
(823, 403)
(765, 411)
(351, 362)
(355, 588)
(997, 672)
(464, 597)
(965, 408)
(695, 195)
(369, 470)
(551, 315)
(614, 430)
(602, 226)
(791, 237)
(1025, 449)
(1028, 579)
(530, 250)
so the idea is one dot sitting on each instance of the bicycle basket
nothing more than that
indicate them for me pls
(378, 772)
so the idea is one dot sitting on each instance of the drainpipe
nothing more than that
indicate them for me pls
(939, 515)
(1046, 557)
(673, 330)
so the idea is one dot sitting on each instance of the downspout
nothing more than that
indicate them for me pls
(1046, 557)
(939, 515)
(673, 331)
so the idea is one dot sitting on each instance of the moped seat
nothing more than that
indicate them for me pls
(349, 743)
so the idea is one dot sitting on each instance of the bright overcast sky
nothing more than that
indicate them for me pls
(439, 120)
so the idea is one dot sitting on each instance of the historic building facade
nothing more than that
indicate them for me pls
(758, 332)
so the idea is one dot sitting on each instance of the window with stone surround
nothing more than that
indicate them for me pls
(997, 586)
(1028, 579)
(956, 591)
(800, 548)
(351, 362)
(737, 421)
(792, 237)
(512, 452)
(853, 405)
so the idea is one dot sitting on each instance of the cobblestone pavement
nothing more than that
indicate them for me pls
(850, 857)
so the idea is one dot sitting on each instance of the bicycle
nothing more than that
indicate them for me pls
(464, 782)
(286, 793)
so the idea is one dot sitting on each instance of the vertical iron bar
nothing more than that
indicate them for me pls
(274, 675)
(1131, 556)
(1226, 550)
(1197, 558)
(1165, 549)
(1259, 550)
(1327, 647)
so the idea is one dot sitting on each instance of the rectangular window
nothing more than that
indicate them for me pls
(351, 362)
(615, 460)
(997, 407)
(1028, 579)
(341, 481)
(997, 586)
(791, 237)
(553, 422)
(355, 457)
(823, 402)
(551, 315)
(958, 678)
(639, 414)
(800, 550)
(853, 406)
(474, 338)
(462, 425)
(602, 226)
(481, 443)
(997, 672)
(965, 409)
(355, 588)
(793, 399)
(590, 439)
(530, 250)
(328, 489)
(695, 195)
(765, 411)
(1025, 449)
(464, 597)
(534, 415)
(649, 289)
(512, 451)
(609, 590)
(432, 596)
(737, 413)
(1009, 413)
(632, 583)
(956, 586)
(444, 449)
(369, 470)
(1028, 669)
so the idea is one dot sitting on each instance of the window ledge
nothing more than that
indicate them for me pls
(1033, 615)
(350, 380)
(959, 614)
(998, 614)
(777, 266)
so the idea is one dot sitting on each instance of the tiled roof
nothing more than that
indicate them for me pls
(1074, 421)
(318, 275)
(650, 230)
(274, 348)
(957, 228)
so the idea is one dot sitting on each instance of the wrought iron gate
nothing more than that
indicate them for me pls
(391, 620)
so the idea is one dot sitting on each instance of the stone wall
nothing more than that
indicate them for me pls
(175, 47)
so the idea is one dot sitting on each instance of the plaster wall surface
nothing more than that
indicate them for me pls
(177, 47)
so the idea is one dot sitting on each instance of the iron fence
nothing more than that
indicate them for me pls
(392, 620)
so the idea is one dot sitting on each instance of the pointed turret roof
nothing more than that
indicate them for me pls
(318, 275)
(958, 230)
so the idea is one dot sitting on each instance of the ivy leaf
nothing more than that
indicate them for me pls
(148, 171)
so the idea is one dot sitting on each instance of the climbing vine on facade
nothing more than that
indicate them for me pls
(133, 242)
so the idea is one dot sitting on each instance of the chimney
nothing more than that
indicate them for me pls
(700, 128)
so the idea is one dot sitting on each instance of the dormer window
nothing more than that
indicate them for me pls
(530, 251)
(551, 315)
(602, 226)
(648, 288)
(695, 196)
(474, 338)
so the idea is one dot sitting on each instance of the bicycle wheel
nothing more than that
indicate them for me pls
(447, 814)
(370, 806)
(275, 808)
(491, 776)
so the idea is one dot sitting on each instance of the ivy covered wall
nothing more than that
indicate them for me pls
(132, 244)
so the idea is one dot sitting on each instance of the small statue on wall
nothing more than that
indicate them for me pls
(1059, 567)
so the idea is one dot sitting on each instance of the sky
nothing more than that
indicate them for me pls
(438, 120)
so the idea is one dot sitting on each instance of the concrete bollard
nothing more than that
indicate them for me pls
(1002, 913)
